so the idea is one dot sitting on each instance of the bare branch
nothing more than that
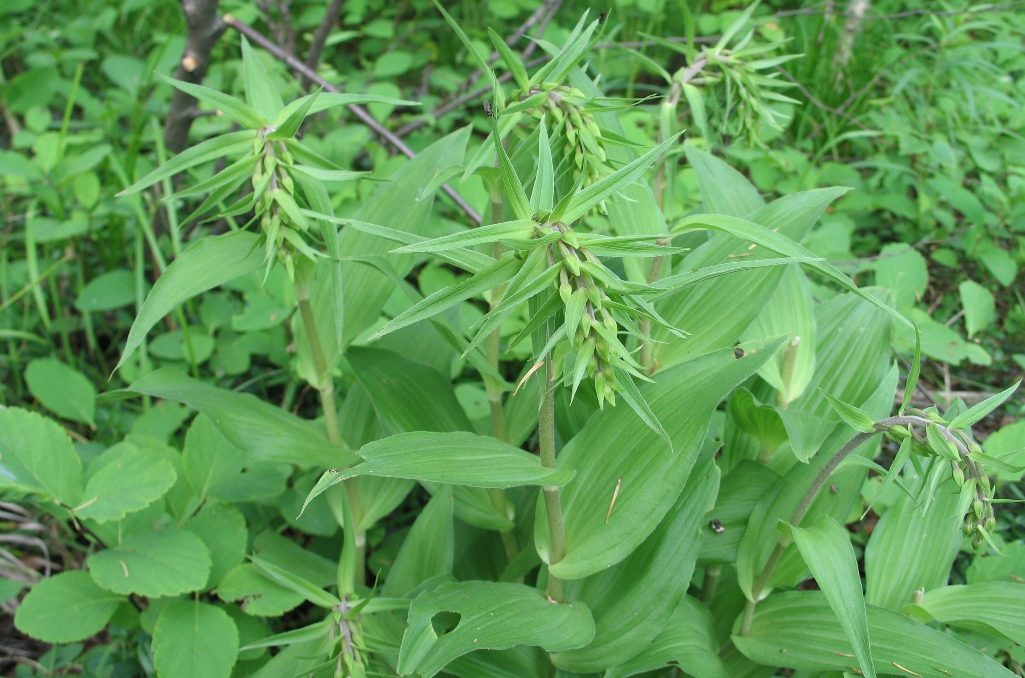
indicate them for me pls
(320, 37)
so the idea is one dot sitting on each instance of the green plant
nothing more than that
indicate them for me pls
(504, 535)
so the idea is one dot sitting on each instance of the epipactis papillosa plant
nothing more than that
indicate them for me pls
(601, 532)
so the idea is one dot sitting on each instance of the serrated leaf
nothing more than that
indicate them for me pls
(493, 616)
(37, 457)
(124, 479)
(157, 563)
(65, 608)
(222, 527)
(827, 550)
(194, 640)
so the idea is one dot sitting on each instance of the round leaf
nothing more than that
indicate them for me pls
(124, 479)
(65, 608)
(194, 640)
(62, 389)
(159, 563)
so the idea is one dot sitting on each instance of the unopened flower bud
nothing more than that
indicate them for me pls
(572, 262)
(991, 523)
(957, 472)
(565, 291)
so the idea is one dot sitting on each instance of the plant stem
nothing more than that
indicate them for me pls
(711, 583)
(326, 386)
(553, 504)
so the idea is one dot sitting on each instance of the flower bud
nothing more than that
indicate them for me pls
(572, 262)
(957, 472)
(991, 523)
(968, 527)
(978, 508)
(570, 238)
(565, 291)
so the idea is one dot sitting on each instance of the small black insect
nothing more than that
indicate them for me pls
(603, 16)
(716, 526)
(738, 352)
(488, 110)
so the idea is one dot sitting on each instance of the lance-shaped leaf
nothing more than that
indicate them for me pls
(615, 446)
(542, 197)
(261, 93)
(512, 61)
(576, 205)
(977, 412)
(257, 427)
(229, 105)
(520, 229)
(515, 295)
(514, 192)
(993, 607)
(780, 244)
(496, 274)
(799, 630)
(827, 550)
(290, 123)
(492, 616)
(456, 458)
(211, 149)
(204, 265)
(855, 417)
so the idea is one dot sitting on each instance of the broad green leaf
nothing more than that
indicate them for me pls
(428, 549)
(902, 270)
(521, 229)
(686, 641)
(454, 458)
(262, 430)
(257, 594)
(632, 600)
(979, 306)
(492, 616)
(62, 389)
(699, 309)
(724, 190)
(194, 640)
(261, 93)
(977, 412)
(229, 105)
(993, 607)
(827, 550)
(790, 311)
(205, 151)
(65, 608)
(165, 562)
(577, 205)
(1007, 566)
(855, 417)
(122, 480)
(763, 423)
(288, 555)
(207, 263)
(798, 629)
(909, 550)
(214, 467)
(616, 447)
(113, 289)
(222, 527)
(517, 662)
(37, 457)
(410, 397)
(739, 492)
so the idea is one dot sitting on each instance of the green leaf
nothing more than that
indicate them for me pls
(266, 432)
(194, 640)
(455, 458)
(113, 289)
(205, 151)
(261, 93)
(124, 479)
(615, 446)
(827, 550)
(289, 125)
(36, 456)
(577, 205)
(912, 549)
(724, 190)
(62, 389)
(207, 263)
(855, 417)
(977, 412)
(687, 641)
(222, 527)
(295, 583)
(512, 61)
(428, 550)
(514, 192)
(492, 616)
(257, 594)
(214, 467)
(632, 600)
(994, 607)
(157, 563)
(496, 274)
(507, 230)
(65, 608)
(798, 629)
(913, 373)
(739, 492)
(229, 105)
(542, 196)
